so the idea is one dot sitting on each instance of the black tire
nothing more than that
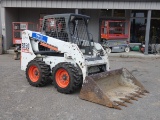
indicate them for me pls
(75, 80)
(43, 71)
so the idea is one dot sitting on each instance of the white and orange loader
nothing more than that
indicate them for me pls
(64, 53)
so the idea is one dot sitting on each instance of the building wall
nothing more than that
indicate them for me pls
(94, 23)
(85, 4)
(23, 15)
(20, 10)
(11, 15)
(27, 14)
(0, 21)
(33, 14)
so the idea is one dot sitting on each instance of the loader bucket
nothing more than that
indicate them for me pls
(112, 88)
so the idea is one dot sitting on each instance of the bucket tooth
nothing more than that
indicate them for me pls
(140, 93)
(132, 98)
(116, 107)
(146, 91)
(120, 103)
(126, 100)
(136, 95)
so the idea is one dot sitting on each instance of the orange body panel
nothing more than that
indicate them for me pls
(49, 46)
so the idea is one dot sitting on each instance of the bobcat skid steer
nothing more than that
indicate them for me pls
(65, 50)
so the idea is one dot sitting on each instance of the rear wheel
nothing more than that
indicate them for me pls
(37, 73)
(66, 78)
(108, 50)
(62, 78)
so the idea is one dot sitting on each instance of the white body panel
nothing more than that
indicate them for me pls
(71, 51)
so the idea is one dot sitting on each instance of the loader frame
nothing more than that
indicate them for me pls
(73, 60)
(89, 57)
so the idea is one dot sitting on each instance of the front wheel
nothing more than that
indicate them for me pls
(66, 78)
(37, 73)
(127, 49)
(108, 50)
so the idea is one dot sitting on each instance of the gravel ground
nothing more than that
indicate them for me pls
(20, 101)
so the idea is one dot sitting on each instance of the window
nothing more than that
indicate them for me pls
(139, 13)
(138, 29)
(119, 13)
(156, 13)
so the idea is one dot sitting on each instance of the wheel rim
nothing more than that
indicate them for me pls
(142, 49)
(108, 50)
(33, 73)
(62, 78)
(127, 49)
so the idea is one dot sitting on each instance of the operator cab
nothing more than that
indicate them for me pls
(69, 28)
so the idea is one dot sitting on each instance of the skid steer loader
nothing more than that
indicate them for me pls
(65, 50)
